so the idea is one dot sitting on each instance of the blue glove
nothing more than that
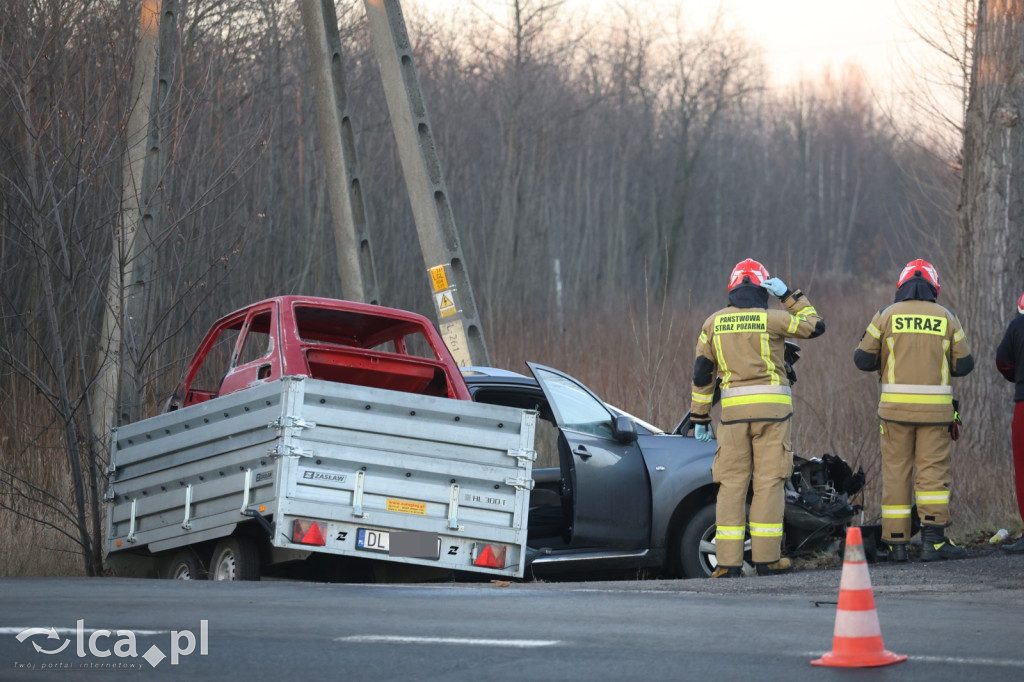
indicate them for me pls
(776, 286)
(702, 432)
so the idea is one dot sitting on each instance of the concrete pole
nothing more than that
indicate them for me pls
(351, 236)
(435, 224)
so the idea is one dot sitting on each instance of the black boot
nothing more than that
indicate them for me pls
(935, 546)
(1016, 547)
(898, 552)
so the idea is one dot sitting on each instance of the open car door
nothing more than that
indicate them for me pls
(600, 462)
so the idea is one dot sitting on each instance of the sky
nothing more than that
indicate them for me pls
(804, 38)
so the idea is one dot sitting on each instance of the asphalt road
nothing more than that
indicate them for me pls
(955, 621)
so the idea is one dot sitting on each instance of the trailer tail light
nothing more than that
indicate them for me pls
(308, 533)
(489, 555)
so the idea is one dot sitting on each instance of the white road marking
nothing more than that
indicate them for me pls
(1001, 662)
(397, 639)
(73, 631)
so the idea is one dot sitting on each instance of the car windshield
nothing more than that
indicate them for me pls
(650, 427)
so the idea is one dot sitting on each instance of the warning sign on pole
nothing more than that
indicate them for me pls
(446, 303)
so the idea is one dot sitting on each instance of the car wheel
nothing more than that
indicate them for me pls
(184, 565)
(695, 552)
(235, 559)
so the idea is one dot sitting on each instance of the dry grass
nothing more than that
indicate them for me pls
(640, 358)
(31, 454)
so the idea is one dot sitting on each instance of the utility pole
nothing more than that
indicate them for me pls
(351, 236)
(435, 224)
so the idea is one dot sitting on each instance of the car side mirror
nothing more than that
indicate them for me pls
(624, 429)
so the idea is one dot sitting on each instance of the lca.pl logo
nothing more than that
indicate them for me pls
(98, 644)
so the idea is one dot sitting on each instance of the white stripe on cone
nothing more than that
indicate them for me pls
(857, 624)
(855, 577)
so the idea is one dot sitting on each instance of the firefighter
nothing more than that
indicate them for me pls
(916, 346)
(743, 345)
(1010, 363)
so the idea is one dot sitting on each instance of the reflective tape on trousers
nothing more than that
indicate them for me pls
(759, 398)
(917, 399)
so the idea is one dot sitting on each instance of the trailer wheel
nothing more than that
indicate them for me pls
(235, 559)
(184, 565)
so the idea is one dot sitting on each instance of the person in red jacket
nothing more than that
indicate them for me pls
(1010, 363)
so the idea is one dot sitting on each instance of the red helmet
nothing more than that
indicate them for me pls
(747, 272)
(1020, 304)
(920, 268)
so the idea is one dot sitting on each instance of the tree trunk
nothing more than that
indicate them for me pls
(990, 224)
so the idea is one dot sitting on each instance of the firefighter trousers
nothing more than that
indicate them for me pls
(761, 450)
(915, 468)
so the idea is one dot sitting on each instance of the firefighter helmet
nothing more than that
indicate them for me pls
(747, 272)
(920, 268)
(1020, 304)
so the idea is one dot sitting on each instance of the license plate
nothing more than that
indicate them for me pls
(380, 541)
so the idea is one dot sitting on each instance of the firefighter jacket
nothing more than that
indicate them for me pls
(915, 346)
(744, 347)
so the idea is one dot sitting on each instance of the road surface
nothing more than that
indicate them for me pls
(955, 621)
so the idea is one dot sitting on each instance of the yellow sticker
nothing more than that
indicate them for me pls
(438, 278)
(406, 507)
(919, 324)
(741, 322)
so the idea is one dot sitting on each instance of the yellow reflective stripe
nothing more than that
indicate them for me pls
(959, 336)
(774, 398)
(703, 337)
(892, 361)
(945, 362)
(808, 310)
(766, 355)
(873, 330)
(918, 399)
(701, 398)
(895, 511)
(726, 374)
(765, 530)
(932, 497)
(730, 533)
(794, 322)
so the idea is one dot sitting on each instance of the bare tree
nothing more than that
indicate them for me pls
(990, 256)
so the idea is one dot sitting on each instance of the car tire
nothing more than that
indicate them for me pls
(695, 552)
(184, 565)
(235, 559)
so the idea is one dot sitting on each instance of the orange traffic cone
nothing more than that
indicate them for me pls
(857, 640)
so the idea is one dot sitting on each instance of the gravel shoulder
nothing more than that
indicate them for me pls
(987, 574)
